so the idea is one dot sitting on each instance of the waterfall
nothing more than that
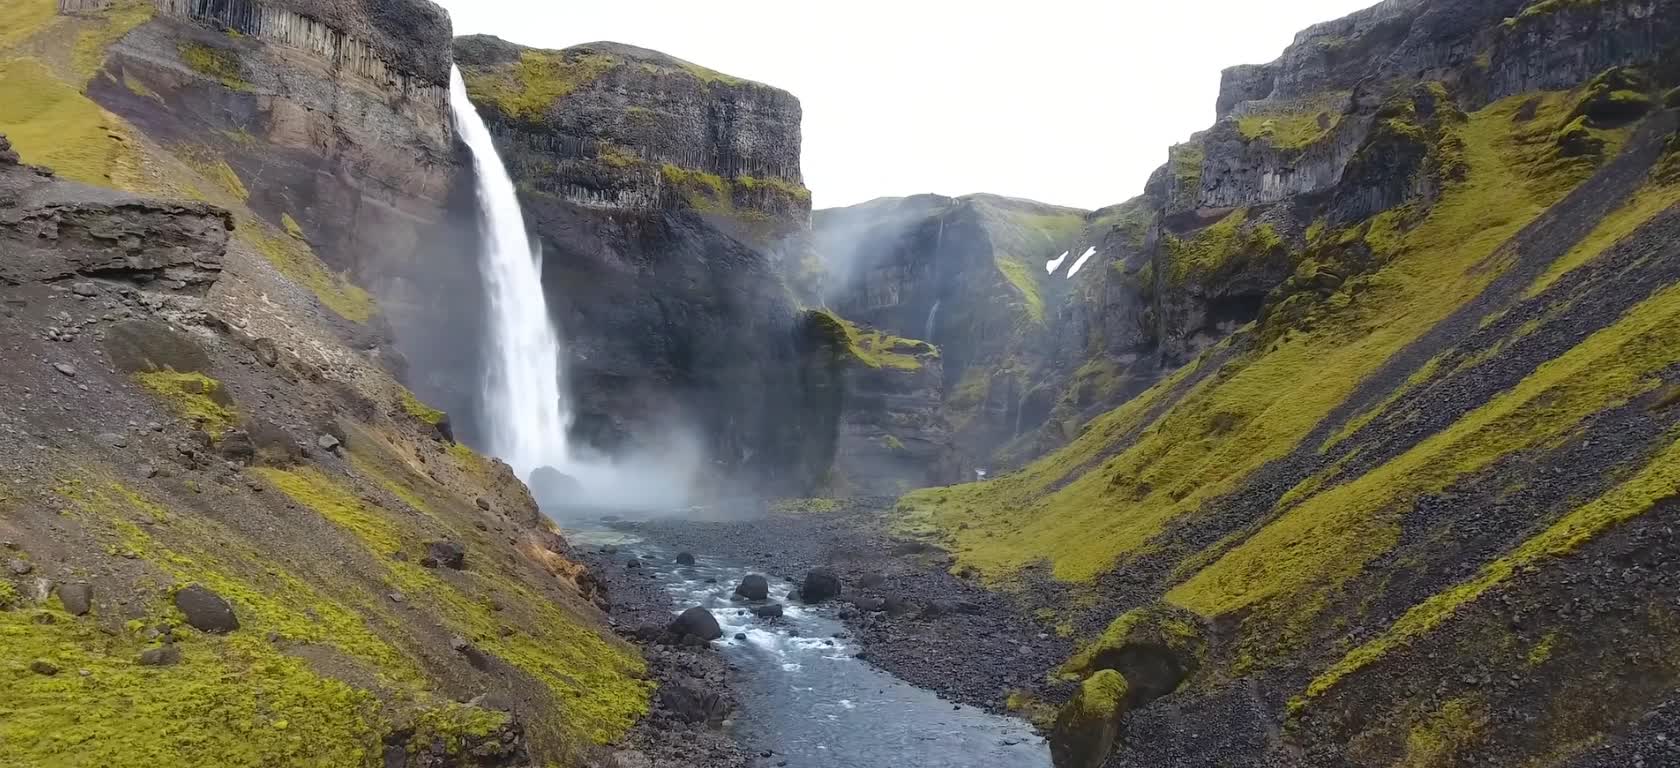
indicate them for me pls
(932, 314)
(525, 408)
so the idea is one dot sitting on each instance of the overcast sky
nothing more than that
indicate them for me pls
(1065, 101)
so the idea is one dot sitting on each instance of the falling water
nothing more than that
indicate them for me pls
(932, 315)
(525, 408)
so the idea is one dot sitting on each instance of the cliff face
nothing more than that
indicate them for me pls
(966, 275)
(665, 196)
(1397, 498)
(217, 497)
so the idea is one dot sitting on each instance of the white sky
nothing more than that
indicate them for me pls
(1064, 101)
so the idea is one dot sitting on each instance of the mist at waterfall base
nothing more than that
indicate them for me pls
(525, 406)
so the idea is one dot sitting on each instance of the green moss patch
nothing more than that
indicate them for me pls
(1105, 497)
(422, 412)
(1023, 278)
(528, 88)
(24, 20)
(218, 64)
(595, 683)
(874, 348)
(194, 397)
(1222, 248)
(236, 700)
(107, 27)
(294, 259)
(1295, 123)
(52, 124)
(806, 506)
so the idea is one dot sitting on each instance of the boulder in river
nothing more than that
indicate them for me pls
(771, 611)
(754, 587)
(820, 584)
(696, 622)
(685, 558)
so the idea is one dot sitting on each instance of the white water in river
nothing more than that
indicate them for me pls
(525, 407)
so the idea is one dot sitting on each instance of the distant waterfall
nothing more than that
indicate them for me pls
(525, 406)
(932, 314)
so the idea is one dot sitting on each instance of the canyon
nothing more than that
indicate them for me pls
(1349, 442)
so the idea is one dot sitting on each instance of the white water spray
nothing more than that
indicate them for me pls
(525, 407)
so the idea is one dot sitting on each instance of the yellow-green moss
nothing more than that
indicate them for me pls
(805, 506)
(1643, 206)
(52, 124)
(24, 19)
(1216, 248)
(456, 725)
(194, 397)
(1186, 165)
(8, 595)
(110, 25)
(1659, 479)
(1101, 695)
(876, 349)
(707, 192)
(292, 227)
(1296, 123)
(1158, 626)
(595, 683)
(528, 88)
(1542, 651)
(892, 443)
(1541, 8)
(218, 64)
(229, 702)
(786, 188)
(237, 700)
(1023, 279)
(1257, 410)
(1441, 735)
(412, 406)
(294, 259)
(214, 169)
(617, 156)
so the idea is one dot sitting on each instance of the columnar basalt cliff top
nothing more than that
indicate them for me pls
(639, 105)
(413, 35)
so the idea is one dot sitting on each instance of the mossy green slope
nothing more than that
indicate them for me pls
(1112, 499)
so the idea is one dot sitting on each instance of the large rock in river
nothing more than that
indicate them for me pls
(754, 587)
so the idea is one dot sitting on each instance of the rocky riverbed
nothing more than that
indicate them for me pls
(922, 635)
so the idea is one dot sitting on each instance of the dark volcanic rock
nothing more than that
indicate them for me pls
(205, 610)
(77, 597)
(771, 611)
(753, 587)
(696, 622)
(820, 584)
(684, 558)
(691, 702)
(163, 656)
(447, 554)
